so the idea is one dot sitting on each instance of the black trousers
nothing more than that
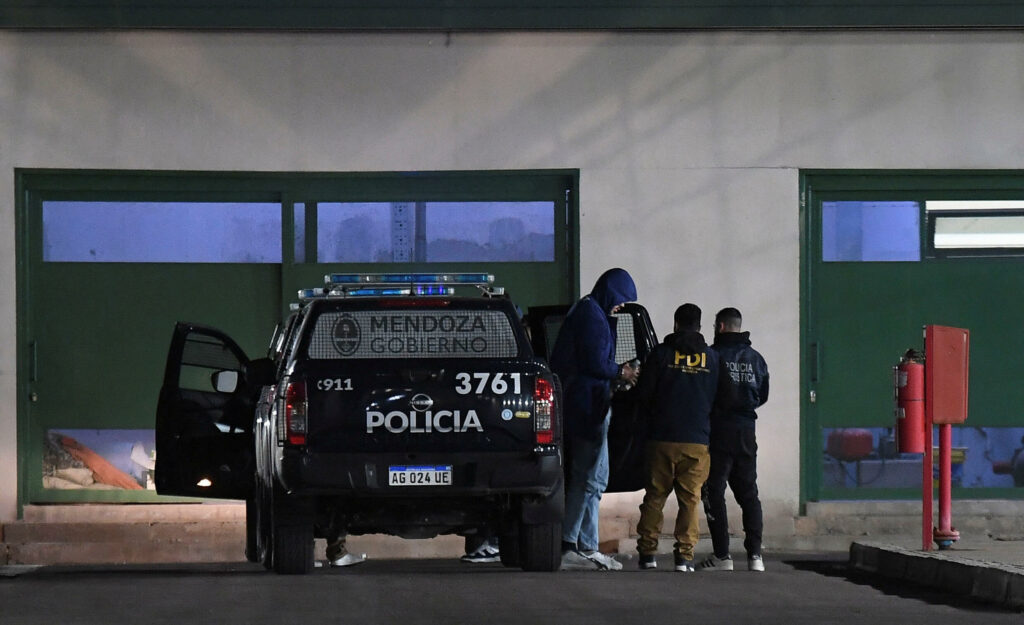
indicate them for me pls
(733, 463)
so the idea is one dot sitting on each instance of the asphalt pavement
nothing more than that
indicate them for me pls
(796, 589)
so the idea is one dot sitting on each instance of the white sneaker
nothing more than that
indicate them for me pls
(755, 563)
(682, 564)
(573, 560)
(484, 553)
(348, 559)
(604, 562)
(714, 563)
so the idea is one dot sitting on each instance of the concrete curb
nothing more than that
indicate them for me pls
(986, 582)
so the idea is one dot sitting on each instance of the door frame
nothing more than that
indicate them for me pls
(918, 184)
(33, 185)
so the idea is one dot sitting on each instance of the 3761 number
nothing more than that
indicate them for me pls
(481, 381)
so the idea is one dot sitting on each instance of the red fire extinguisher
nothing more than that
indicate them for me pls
(909, 387)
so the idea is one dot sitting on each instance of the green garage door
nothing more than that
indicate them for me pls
(109, 262)
(886, 254)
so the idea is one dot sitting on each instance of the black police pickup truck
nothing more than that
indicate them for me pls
(388, 404)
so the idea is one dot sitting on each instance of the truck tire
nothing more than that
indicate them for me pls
(291, 536)
(293, 549)
(540, 546)
(508, 544)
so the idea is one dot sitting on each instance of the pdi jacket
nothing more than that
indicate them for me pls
(677, 388)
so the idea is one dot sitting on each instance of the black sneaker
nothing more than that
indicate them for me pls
(487, 552)
(648, 561)
(682, 564)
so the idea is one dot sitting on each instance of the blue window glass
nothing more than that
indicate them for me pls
(396, 232)
(161, 232)
(870, 231)
(868, 457)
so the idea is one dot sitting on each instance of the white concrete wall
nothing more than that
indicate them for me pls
(688, 144)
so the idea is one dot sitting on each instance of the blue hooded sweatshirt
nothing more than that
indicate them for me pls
(584, 353)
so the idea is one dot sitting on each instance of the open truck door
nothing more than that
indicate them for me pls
(627, 431)
(204, 418)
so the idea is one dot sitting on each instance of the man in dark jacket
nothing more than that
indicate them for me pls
(584, 359)
(677, 389)
(734, 444)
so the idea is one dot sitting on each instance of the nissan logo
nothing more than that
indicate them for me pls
(421, 402)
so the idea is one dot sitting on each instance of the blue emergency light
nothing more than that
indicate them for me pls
(305, 294)
(376, 291)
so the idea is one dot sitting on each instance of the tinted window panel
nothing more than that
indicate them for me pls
(625, 345)
(161, 232)
(397, 232)
(868, 457)
(870, 231)
(413, 334)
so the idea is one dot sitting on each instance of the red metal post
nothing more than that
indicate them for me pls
(945, 475)
(945, 535)
(946, 372)
(926, 486)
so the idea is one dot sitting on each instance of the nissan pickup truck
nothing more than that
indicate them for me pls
(387, 403)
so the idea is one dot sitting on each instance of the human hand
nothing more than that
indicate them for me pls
(629, 373)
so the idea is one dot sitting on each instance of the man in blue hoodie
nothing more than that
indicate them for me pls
(734, 444)
(677, 391)
(584, 359)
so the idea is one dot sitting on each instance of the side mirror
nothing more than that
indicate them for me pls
(225, 381)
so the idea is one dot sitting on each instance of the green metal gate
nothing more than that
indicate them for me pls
(94, 322)
(867, 295)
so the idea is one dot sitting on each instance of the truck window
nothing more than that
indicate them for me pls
(412, 333)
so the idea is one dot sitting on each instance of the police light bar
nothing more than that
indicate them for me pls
(469, 279)
(306, 295)
(390, 291)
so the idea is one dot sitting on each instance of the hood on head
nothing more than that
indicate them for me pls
(614, 287)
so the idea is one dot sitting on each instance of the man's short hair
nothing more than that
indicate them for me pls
(730, 318)
(687, 317)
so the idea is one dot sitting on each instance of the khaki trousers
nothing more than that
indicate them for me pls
(681, 467)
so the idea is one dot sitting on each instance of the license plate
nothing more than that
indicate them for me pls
(430, 475)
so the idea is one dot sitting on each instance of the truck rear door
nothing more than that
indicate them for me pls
(627, 432)
(420, 379)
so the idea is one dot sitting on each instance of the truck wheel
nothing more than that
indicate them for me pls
(540, 546)
(508, 544)
(293, 549)
(291, 536)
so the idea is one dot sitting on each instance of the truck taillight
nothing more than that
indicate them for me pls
(295, 406)
(544, 411)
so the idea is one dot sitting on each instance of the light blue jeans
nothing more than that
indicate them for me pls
(588, 477)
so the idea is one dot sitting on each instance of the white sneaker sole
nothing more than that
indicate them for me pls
(349, 559)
